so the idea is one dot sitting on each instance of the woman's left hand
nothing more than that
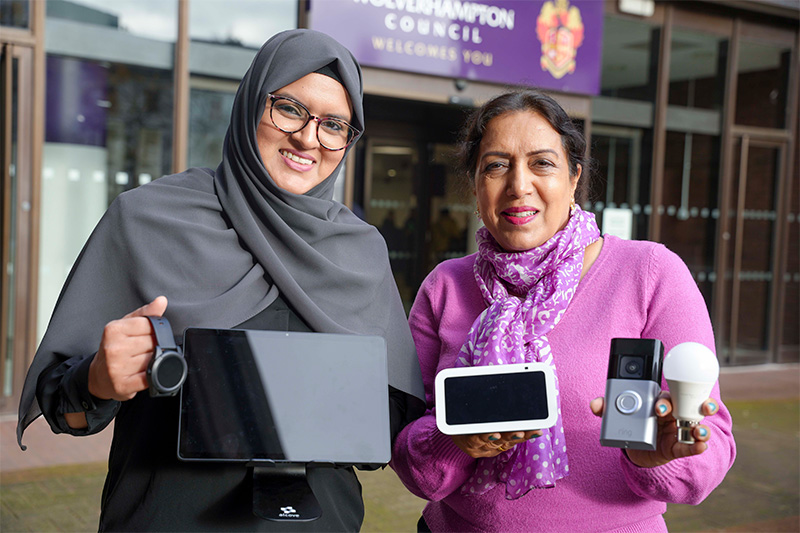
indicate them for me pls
(667, 445)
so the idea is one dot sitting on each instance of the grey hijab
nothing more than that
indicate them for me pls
(222, 245)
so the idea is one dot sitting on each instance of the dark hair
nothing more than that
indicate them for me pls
(523, 100)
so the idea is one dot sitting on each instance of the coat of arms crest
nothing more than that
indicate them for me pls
(560, 30)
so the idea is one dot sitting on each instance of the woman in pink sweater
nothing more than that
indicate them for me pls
(545, 286)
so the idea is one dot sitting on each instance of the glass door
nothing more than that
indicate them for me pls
(751, 266)
(620, 194)
(452, 220)
(15, 212)
(416, 201)
(392, 205)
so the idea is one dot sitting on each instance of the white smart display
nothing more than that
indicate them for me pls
(495, 399)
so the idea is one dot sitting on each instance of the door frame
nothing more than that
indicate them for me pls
(26, 46)
(743, 138)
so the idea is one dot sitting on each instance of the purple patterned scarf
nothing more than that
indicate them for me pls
(513, 330)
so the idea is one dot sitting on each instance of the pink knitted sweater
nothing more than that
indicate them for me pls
(634, 289)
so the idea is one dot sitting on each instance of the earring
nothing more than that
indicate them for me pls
(477, 212)
(572, 206)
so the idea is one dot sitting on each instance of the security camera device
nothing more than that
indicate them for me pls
(632, 388)
(494, 399)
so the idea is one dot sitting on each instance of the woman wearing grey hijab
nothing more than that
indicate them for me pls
(257, 244)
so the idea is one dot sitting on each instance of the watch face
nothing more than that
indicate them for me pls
(168, 372)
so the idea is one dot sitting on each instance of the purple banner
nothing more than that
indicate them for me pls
(553, 44)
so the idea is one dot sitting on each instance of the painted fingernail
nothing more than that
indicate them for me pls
(662, 408)
(703, 432)
(535, 437)
(515, 437)
(492, 437)
(712, 406)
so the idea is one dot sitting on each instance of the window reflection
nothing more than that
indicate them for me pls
(10, 213)
(108, 129)
(791, 279)
(452, 219)
(155, 19)
(393, 208)
(763, 78)
(696, 72)
(240, 22)
(628, 49)
(617, 182)
(749, 292)
(15, 13)
(209, 114)
(622, 126)
(690, 209)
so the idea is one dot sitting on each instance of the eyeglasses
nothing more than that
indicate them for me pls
(290, 116)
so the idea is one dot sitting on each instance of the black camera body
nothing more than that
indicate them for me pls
(167, 369)
(632, 388)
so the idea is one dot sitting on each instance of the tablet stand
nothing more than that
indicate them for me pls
(282, 493)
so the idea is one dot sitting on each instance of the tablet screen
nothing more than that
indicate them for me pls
(278, 396)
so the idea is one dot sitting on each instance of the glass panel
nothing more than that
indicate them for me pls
(756, 256)
(209, 115)
(759, 230)
(790, 336)
(622, 117)
(246, 23)
(690, 211)
(108, 129)
(15, 13)
(762, 88)
(630, 51)
(723, 335)
(452, 220)
(9, 218)
(155, 19)
(697, 72)
(393, 209)
(617, 183)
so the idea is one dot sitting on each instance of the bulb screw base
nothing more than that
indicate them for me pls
(685, 428)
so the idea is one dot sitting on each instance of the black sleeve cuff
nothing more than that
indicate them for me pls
(77, 398)
(64, 388)
(76, 389)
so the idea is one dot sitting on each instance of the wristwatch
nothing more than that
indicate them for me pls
(167, 370)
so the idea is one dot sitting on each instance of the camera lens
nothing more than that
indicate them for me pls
(631, 367)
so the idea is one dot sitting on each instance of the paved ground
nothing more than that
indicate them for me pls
(56, 484)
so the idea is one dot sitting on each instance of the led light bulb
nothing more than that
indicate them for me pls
(691, 370)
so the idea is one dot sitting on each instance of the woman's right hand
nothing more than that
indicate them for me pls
(492, 444)
(119, 368)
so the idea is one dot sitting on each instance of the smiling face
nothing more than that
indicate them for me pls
(522, 180)
(296, 161)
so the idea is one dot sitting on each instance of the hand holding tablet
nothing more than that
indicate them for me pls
(495, 399)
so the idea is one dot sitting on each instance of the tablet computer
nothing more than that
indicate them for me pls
(495, 399)
(275, 396)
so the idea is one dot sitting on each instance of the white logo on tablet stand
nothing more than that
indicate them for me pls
(288, 512)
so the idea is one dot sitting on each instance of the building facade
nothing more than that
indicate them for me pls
(690, 109)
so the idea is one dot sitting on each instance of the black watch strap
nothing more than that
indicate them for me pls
(163, 332)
